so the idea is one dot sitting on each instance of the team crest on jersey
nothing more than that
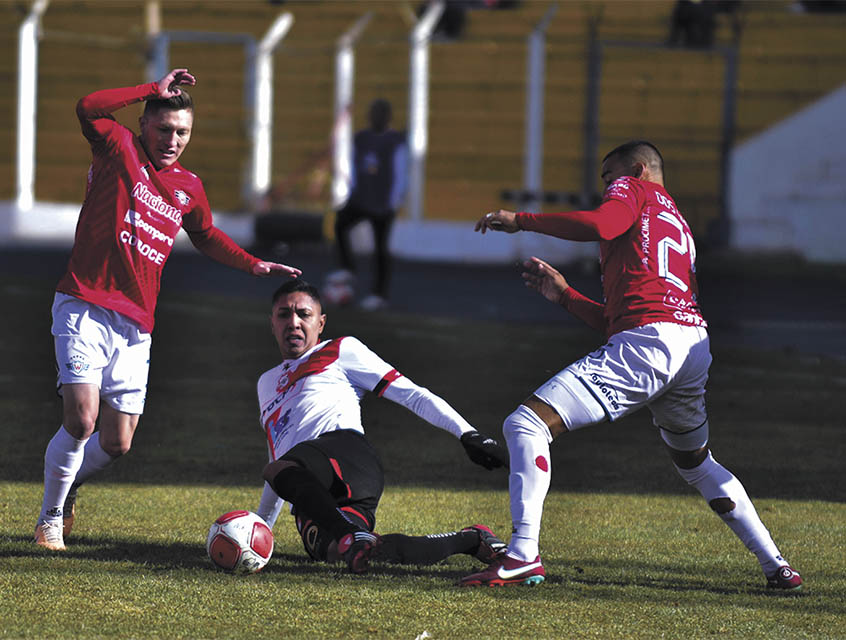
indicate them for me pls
(282, 382)
(77, 364)
(182, 196)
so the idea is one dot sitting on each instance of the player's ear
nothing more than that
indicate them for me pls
(638, 169)
(322, 323)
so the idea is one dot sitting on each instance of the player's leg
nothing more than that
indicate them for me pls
(727, 497)
(681, 416)
(335, 480)
(476, 540)
(122, 396)
(309, 493)
(562, 404)
(63, 458)
(382, 256)
(80, 362)
(345, 219)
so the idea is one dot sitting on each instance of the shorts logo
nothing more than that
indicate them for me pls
(77, 364)
(606, 391)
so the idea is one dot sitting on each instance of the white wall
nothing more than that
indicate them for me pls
(788, 185)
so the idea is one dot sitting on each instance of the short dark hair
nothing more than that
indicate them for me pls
(176, 103)
(639, 151)
(295, 285)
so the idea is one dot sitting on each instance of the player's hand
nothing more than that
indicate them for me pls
(276, 269)
(169, 85)
(484, 450)
(501, 220)
(545, 279)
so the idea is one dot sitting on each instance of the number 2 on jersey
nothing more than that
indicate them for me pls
(683, 246)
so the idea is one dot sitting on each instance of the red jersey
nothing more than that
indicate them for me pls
(132, 213)
(647, 257)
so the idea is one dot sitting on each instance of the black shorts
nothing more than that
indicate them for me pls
(348, 466)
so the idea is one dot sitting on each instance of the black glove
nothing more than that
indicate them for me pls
(484, 450)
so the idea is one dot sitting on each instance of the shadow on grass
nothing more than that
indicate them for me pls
(597, 580)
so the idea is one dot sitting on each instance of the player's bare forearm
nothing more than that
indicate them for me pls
(545, 279)
(275, 269)
(551, 284)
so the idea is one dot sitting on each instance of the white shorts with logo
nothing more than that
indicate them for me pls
(663, 366)
(99, 346)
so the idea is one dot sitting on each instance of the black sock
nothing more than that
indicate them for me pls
(301, 488)
(402, 549)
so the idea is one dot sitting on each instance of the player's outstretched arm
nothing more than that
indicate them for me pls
(501, 220)
(169, 85)
(439, 413)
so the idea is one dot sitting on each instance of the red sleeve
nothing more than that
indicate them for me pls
(611, 219)
(218, 246)
(94, 110)
(588, 311)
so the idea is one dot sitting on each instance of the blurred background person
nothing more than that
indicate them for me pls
(378, 185)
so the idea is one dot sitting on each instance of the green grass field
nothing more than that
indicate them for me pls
(630, 550)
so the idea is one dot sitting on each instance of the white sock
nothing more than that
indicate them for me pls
(714, 481)
(61, 462)
(528, 438)
(94, 460)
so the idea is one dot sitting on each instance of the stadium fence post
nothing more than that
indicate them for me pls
(344, 89)
(535, 90)
(418, 105)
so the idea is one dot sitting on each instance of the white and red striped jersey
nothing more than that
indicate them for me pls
(321, 390)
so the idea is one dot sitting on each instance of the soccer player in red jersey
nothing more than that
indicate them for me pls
(137, 198)
(657, 355)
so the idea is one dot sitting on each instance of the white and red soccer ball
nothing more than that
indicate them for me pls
(338, 290)
(240, 542)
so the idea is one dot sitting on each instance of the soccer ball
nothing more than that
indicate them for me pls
(337, 294)
(338, 289)
(240, 542)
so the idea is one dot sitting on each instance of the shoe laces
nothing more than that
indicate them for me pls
(52, 532)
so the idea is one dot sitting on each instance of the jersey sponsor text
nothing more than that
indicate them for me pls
(156, 203)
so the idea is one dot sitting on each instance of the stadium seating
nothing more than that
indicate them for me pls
(786, 60)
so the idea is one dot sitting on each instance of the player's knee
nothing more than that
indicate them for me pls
(115, 447)
(524, 423)
(688, 459)
(80, 424)
(274, 476)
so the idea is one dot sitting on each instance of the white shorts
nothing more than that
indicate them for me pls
(100, 346)
(663, 366)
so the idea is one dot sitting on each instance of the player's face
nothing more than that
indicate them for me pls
(297, 322)
(165, 134)
(614, 168)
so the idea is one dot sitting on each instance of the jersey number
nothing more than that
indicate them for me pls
(683, 246)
